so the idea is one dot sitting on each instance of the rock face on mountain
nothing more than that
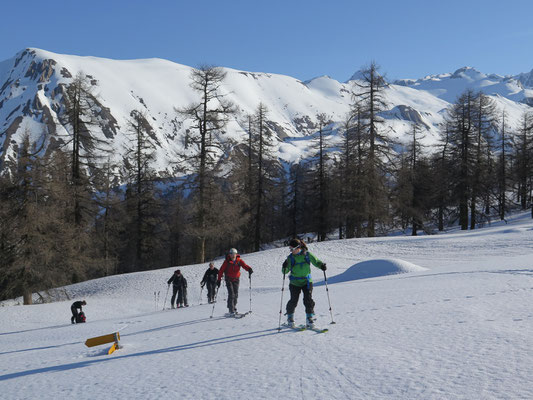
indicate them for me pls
(33, 84)
(526, 79)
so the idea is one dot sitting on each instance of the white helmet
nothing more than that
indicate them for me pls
(233, 251)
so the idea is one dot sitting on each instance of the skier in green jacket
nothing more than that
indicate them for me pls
(298, 266)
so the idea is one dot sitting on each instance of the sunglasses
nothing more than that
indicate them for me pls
(293, 248)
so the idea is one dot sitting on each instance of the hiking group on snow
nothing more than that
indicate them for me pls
(297, 265)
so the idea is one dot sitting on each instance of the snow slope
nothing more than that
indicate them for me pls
(454, 321)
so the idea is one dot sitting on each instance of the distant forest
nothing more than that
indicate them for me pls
(71, 215)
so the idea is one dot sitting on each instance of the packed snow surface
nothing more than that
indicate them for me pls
(443, 317)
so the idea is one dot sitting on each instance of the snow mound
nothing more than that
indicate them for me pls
(376, 268)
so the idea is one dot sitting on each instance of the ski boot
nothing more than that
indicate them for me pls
(310, 321)
(290, 320)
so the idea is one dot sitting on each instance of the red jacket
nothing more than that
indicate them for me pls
(232, 269)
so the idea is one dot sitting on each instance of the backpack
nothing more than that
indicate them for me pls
(80, 317)
(293, 260)
(293, 263)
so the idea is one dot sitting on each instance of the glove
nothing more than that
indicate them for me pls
(251, 271)
(218, 283)
(202, 285)
(323, 267)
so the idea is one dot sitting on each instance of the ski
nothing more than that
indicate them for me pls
(314, 329)
(295, 327)
(236, 315)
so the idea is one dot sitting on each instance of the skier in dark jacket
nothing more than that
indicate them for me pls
(210, 279)
(74, 308)
(298, 266)
(179, 287)
(231, 268)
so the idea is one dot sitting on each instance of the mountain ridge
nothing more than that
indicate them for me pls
(31, 85)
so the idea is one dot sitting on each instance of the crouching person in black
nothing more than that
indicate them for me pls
(74, 308)
(179, 287)
(210, 279)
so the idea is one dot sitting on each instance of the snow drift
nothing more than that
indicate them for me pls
(375, 268)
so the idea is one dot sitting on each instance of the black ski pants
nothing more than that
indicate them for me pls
(74, 314)
(181, 292)
(233, 294)
(295, 295)
(211, 286)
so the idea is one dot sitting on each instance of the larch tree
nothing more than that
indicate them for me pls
(141, 193)
(368, 93)
(523, 156)
(209, 116)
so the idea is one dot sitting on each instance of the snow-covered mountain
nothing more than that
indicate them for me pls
(526, 79)
(429, 317)
(449, 86)
(31, 87)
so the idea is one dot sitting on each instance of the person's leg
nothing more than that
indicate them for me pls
(235, 294)
(185, 302)
(74, 311)
(180, 297)
(229, 286)
(174, 292)
(293, 301)
(308, 299)
(210, 291)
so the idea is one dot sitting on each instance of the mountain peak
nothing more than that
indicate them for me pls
(468, 73)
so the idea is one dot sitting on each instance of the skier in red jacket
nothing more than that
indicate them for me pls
(231, 268)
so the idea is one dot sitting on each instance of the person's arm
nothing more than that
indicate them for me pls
(286, 267)
(222, 269)
(170, 280)
(204, 279)
(245, 266)
(315, 261)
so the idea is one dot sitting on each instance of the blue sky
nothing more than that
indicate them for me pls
(303, 39)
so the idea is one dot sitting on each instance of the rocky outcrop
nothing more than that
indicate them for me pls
(8, 133)
(40, 71)
(409, 114)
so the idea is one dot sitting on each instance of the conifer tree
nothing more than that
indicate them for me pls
(209, 115)
(523, 155)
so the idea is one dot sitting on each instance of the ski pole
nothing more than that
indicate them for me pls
(250, 278)
(155, 301)
(165, 303)
(327, 292)
(214, 303)
(281, 304)
(200, 299)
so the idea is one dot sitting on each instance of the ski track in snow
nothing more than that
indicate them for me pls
(461, 329)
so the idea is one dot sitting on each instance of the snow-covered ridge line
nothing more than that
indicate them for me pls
(30, 98)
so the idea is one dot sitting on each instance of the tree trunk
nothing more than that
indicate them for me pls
(27, 297)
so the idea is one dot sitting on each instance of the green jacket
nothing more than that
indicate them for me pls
(299, 267)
